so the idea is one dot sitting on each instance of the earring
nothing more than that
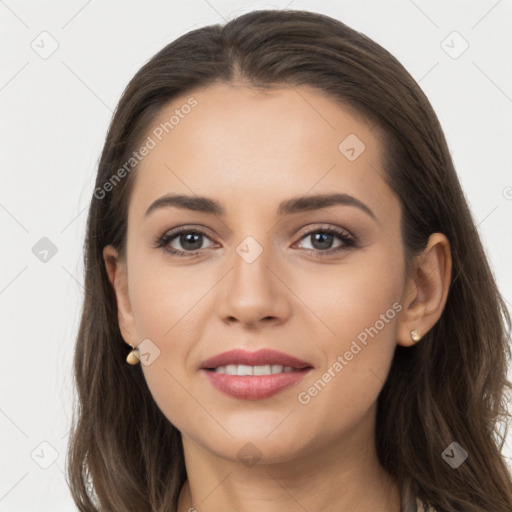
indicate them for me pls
(131, 358)
(415, 335)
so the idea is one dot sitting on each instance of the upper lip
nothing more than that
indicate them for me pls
(260, 357)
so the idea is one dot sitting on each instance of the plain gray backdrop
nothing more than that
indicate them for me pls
(63, 68)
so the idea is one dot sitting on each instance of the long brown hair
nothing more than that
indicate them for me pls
(125, 455)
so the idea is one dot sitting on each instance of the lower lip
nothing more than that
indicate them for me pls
(254, 387)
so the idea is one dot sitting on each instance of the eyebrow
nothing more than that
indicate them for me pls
(294, 205)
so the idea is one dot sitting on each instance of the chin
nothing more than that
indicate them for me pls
(253, 445)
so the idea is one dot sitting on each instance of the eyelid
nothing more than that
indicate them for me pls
(308, 230)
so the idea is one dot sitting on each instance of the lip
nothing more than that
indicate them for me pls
(254, 387)
(260, 357)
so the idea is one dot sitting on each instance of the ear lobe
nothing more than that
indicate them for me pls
(427, 289)
(118, 277)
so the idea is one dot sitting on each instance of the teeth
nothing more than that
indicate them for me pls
(261, 370)
(243, 369)
(230, 369)
(277, 368)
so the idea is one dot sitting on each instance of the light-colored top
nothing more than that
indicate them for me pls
(410, 502)
(422, 507)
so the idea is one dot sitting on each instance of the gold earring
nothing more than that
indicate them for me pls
(131, 358)
(415, 335)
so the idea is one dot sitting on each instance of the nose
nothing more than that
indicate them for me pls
(254, 292)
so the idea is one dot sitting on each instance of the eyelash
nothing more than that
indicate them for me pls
(164, 240)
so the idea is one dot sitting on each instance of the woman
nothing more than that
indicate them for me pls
(333, 338)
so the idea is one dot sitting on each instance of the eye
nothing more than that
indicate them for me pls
(191, 241)
(322, 239)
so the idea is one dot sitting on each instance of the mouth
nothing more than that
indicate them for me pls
(254, 375)
(243, 370)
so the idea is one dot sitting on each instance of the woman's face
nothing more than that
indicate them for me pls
(260, 279)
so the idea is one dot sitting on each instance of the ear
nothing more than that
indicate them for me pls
(118, 277)
(426, 289)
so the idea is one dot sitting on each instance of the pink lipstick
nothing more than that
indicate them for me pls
(254, 375)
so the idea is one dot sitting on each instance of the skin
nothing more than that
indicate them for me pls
(250, 150)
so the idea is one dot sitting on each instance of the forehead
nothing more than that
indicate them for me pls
(255, 148)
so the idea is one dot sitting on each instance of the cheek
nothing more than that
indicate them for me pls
(349, 298)
(344, 390)
(163, 381)
(168, 311)
(165, 300)
(359, 309)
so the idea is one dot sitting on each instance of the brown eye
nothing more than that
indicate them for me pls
(182, 241)
(322, 240)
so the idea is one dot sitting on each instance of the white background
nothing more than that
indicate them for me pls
(54, 117)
